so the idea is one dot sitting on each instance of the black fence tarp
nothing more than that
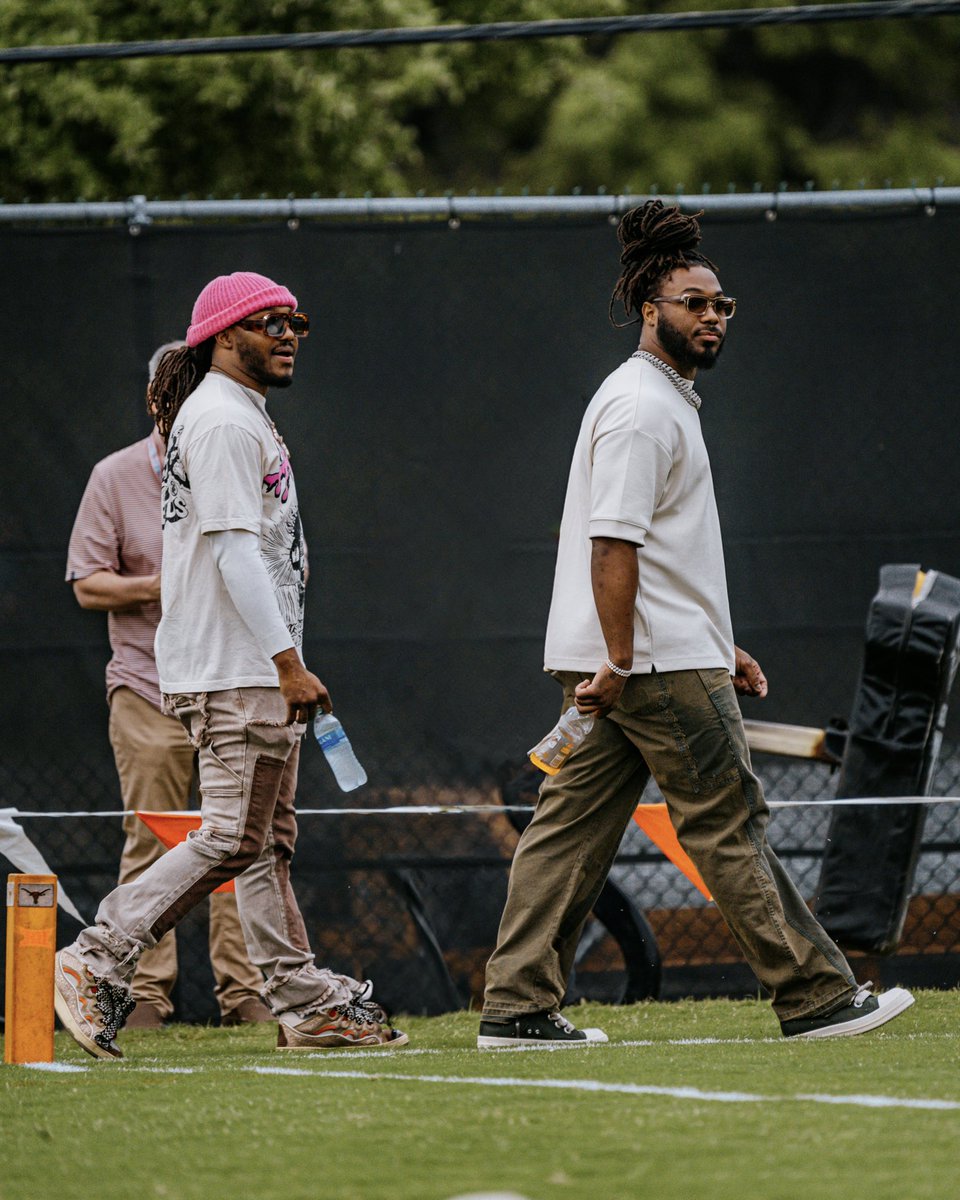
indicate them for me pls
(432, 418)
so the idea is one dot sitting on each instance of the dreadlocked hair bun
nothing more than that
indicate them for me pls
(178, 374)
(656, 241)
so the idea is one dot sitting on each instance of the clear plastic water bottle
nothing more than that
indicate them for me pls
(338, 752)
(553, 751)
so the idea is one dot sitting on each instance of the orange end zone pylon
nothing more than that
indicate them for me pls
(31, 944)
(173, 827)
(655, 822)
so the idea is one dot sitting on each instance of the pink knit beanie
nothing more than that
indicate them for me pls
(229, 298)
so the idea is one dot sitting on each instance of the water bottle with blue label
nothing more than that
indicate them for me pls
(338, 752)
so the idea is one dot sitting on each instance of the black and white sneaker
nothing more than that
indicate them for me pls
(864, 1012)
(536, 1029)
(362, 998)
(91, 1009)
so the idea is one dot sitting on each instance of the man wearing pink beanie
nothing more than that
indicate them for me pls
(228, 654)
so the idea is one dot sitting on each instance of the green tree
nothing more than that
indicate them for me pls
(835, 102)
(246, 123)
(829, 103)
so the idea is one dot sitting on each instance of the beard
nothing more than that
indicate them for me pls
(683, 350)
(257, 364)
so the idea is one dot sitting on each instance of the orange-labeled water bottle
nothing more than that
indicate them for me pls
(552, 752)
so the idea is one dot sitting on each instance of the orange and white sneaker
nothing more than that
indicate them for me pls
(91, 1009)
(346, 1026)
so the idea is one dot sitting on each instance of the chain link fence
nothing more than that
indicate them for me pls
(414, 900)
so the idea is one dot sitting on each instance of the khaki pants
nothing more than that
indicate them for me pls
(247, 761)
(685, 728)
(155, 762)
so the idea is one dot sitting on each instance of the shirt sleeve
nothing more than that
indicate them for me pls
(630, 470)
(226, 479)
(238, 558)
(95, 540)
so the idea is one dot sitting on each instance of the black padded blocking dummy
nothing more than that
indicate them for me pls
(896, 727)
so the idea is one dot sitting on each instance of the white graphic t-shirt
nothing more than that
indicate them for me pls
(225, 468)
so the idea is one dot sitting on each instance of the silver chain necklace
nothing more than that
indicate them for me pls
(683, 386)
(285, 453)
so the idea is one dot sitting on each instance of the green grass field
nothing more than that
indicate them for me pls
(690, 1100)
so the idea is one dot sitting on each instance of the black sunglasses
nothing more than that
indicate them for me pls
(275, 324)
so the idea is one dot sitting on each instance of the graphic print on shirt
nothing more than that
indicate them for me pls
(174, 483)
(284, 555)
(278, 482)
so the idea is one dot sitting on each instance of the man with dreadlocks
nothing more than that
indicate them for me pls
(639, 636)
(114, 565)
(232, 587)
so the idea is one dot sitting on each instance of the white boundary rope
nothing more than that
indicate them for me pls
(401, 810)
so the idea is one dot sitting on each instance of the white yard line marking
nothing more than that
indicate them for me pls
(63, 1068)
(625, 1089)
(878, 1101)
(165, 1070)
(576, 1085)
(706, 1041)
(380, 1055)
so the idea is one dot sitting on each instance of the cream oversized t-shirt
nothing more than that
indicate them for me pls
(225, 469)
(640, 473)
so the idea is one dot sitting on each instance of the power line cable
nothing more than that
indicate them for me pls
(743, 18)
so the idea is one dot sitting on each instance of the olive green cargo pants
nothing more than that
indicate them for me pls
(684, 728)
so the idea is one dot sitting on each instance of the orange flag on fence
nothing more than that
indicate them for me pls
(655, 822)
(173, 827)
(653, 819)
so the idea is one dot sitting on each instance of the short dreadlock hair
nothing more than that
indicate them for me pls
(657, 240)
(178, 373)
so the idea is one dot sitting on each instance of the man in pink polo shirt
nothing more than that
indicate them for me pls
(114, 565)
